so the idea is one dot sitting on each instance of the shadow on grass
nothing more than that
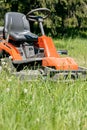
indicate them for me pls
(68, 32)
(75, 32)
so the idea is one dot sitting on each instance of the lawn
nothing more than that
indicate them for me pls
(45, 105)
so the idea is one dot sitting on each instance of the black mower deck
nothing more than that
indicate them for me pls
(52, 74)
(73, 74)
(35, 73)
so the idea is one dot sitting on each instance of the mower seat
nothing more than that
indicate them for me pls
(18, 28)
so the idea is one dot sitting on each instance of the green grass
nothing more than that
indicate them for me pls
(45, 105)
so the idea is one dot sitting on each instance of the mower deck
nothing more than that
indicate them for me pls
(51, 74)
(81, 73)
(35, 72)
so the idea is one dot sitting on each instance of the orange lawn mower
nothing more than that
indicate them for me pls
(30, 56)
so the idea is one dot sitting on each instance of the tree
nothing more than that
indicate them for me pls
(64, 13)
(81, 12)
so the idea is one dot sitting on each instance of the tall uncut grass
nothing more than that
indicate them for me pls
(43, 104)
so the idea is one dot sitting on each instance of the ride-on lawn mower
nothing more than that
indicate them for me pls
(20, 48)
